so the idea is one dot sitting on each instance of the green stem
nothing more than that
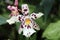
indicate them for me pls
(21, 1)
(27, 38)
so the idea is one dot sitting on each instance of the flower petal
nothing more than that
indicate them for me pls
(36, 26)
(28, 32)
(20, 30)
(35, 15)
(40, 14)
(12, 20)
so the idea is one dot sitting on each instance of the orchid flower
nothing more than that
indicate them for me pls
(14, 13)
(27, 24)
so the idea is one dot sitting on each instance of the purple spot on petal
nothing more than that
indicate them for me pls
(29, 32)
(31, 21)
(20, 18)
(35, 26)
(28, 27)
(35, 16)
(21, 26)
(25, 25)
(13, 9)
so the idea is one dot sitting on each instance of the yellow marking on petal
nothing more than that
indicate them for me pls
(14, 12)
(27, 21)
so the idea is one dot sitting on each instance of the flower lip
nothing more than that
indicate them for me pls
(25, 9)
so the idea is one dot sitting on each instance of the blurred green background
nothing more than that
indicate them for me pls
(49, 23)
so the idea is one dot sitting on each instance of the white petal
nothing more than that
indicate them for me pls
(12, 20)
(40, 14)
(36, 26)
(28, 32)
(20, 30)
(8, 39)
(17, 19)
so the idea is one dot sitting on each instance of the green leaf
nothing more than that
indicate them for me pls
(17, 25)
(33, 37)
(12, 34)
(47, 5)
(52, 31)
(31, 8)
(2, 20)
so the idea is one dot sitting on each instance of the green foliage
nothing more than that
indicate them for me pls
(52, 31)
(2, 20)
(47, 7)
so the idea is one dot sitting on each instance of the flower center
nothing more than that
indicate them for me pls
(27, 21)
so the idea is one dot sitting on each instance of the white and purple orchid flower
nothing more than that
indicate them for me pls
(27, 24)
(14, 13)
